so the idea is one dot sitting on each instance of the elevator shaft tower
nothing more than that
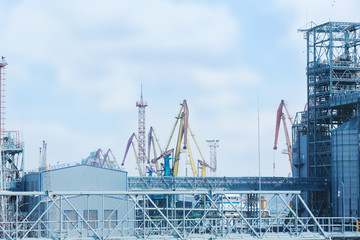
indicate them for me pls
(333, 50)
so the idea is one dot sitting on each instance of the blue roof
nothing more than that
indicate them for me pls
(71, 165)
(87, 165)
(349, 125)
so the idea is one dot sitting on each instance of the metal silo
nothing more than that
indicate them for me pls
(345, 169)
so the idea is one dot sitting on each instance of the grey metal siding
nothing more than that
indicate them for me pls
(82, 178)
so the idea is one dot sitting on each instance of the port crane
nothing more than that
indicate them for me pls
(171, 157)
(131, 143)
(167, 156)
(152, 139)
(102, 159)
(153, 142)
(183, 141)
(280, 116)
(203, 165)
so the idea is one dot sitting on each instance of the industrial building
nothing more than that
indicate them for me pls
(325, 134)
(100, 212)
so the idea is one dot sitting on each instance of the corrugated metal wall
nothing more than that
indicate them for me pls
(93, 208)
(84, 178)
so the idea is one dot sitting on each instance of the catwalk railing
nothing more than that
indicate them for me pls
(166, 215)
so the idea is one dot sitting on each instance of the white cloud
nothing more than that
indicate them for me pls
(100, 52)
(99, 49)
(219, 99)
(223, 89)
(318, 12)
(230, 78)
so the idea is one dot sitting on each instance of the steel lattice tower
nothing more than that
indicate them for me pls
(141, 132)
(332, 72)
(213, 144)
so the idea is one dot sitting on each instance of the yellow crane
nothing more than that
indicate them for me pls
(183, 142)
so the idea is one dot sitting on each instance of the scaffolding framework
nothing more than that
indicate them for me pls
(207, 217)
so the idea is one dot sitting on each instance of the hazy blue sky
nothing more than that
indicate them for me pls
(75, 70)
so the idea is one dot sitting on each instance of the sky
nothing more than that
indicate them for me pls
(75, 70)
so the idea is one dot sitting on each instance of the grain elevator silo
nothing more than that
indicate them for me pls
(333, 99)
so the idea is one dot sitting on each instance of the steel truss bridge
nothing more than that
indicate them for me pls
(164, 214)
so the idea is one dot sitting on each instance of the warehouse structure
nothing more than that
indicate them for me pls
(85, 212)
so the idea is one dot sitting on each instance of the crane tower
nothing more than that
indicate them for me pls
(141, 132)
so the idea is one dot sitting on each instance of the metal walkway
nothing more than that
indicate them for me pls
(345, 98)
(227, 183)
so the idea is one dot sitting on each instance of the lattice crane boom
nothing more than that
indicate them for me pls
(129, 144)
(280, 116)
